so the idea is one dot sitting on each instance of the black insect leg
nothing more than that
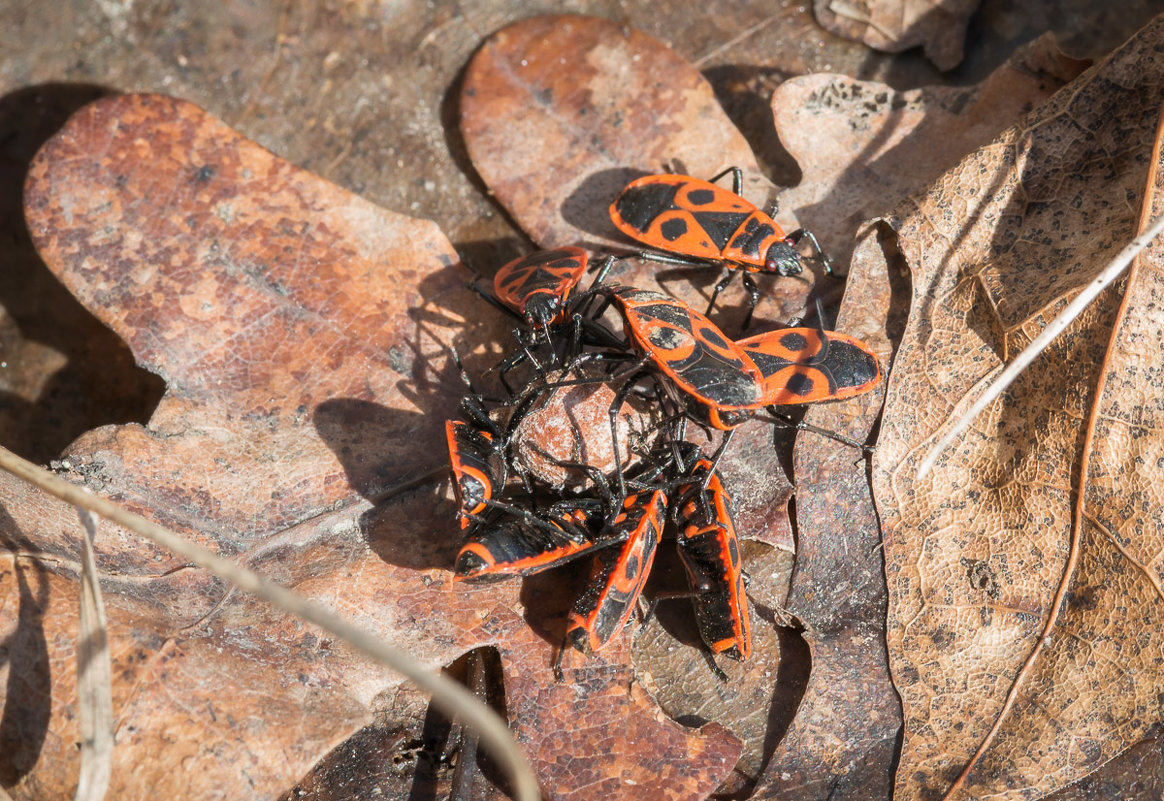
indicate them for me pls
(737, 178)
(562, 531)
(753, 298)
(781, 419)
(603, 271)
(715, 457)
(619, 399)
(473, 404)
(523, 354)
(559, 677)
(599, 357)
(716, 670)
(678, 261)
(610, 511)
(720, 285)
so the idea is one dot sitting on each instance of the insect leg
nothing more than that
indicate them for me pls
(719, 287)
(737, 178)
(715, 457)
(781, 419)
(753, 298)
(620, 398)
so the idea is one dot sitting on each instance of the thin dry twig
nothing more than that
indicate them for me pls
(1113, 270)
(450, 697)
(94, 677)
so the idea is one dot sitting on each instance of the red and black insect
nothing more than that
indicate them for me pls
(716, 379)
(525, 543)
(538, 286)
(538, 289)
(479, 467)
(711, 555)
(811, 365)
(689, 217)
(618, 573)
(478, 450)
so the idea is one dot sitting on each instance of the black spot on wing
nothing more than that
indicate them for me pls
(800, 384)
(639, 206)
(713, 336)
(701, 197)
(631, 567)
(673, 228)
(794, 340)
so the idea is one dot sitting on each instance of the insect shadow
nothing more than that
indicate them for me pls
(412, 523)
(397, 458)
(588, 207)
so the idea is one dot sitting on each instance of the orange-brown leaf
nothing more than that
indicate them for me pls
(559, 113)
(303, 335)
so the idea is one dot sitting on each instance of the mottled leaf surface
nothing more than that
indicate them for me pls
(863, 147)
(1025, 608)
(303, 335)
(559, 113)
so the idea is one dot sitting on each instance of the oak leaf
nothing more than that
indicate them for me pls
(1025, 609)
(863, 147)
(303, 334)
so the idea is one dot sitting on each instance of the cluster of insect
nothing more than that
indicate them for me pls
(614, 489)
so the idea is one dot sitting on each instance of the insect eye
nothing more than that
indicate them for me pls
(783, 266)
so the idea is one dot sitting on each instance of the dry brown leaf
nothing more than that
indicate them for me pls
(864, 147)
(283, 312)
(895, 25)
(1025, 643)
(829, 750)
